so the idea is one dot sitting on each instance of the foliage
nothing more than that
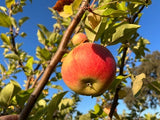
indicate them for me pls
(150, 90)
(106, 22)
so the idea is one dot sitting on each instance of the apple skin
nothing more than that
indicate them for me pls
(89, 69)
(79, 38)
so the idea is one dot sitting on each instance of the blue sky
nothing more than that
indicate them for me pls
(39, 14)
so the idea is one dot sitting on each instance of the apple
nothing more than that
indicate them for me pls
(79, 38)
(89, 69)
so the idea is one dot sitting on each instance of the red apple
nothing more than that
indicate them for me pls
(89, 69)
(79, 38)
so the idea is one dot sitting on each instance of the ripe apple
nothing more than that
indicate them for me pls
(89, 69)
(79, 38)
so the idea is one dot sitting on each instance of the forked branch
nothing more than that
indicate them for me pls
(54, 61)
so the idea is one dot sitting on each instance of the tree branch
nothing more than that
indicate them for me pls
(116, 96)
(54, 61)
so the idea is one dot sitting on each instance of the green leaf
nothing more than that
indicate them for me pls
(97, 109)
(29, 63)
(155, 85)
(137, 83)
(117, 81)
(4, 20)
(122, 6)
(12, 56)
(66, 102)
(43, 54)
(119, 33)
(135, 1)
(114, 13)
(76, 4)
(57, 87)
(9, 3)
(23, 96)
(5, 39)
(7, 93)
(46, 32)
(53, 104)
(140, 48)
(94, 34)
(13, 21)
(52, 38)
(23, 34)
(2, 68)
(41, 37)
(22, 20)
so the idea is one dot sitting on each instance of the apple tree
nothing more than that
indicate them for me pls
(105, 22)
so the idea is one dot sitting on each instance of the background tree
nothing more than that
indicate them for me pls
(149, 93)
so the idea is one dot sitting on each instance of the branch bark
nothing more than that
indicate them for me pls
(54, 61)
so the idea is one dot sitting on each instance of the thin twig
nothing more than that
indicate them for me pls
(54, 61)
(35, 81)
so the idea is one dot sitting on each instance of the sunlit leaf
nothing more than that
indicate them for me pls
(29, 63)
(76, 4)
(22, 20)
(117, 81)
(114, 13)
(2, 68)
(9, 3)
(44, 30)
(66, 102)
(14, 22)
(57, 87)
(94, 34)
(135, 1)
(41, 37)
(4, 9)
(10, 90)
(97, 109)
(119, 33)
(5, 39)
(67, 12)
(137, 83)
(43, 54)
(4, 20)
(12, 56)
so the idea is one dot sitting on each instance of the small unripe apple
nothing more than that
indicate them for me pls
(89, 69)
(79, 38)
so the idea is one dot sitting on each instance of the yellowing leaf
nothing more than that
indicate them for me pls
(137, 83)
(67, 11)
(94, 20)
